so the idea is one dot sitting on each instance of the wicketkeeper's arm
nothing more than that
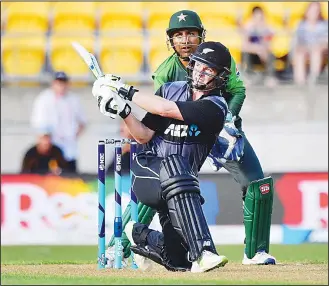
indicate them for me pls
(236, 90)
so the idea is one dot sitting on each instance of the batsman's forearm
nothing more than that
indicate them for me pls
(138, 130)
(158, 106)
(152, 104)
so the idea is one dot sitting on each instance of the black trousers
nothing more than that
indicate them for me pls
(146, 185)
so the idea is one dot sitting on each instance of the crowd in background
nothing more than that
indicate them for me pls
(59, 120)
(309, 51)
(303, 61)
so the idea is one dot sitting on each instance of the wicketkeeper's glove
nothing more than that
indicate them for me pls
(229, 145)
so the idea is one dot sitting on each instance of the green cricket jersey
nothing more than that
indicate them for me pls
(173, 70)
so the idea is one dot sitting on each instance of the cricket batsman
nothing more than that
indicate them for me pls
(165, 172)
(234, 152)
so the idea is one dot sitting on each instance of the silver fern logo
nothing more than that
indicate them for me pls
(194, 130)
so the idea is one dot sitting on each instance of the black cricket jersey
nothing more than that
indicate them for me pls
(193, 137)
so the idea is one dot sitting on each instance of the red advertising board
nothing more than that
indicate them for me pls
(304, 198)
(59, 210)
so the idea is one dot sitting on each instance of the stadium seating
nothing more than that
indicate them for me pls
(221, 26)
(280, 47)
(77, 17)
(119, 27)
(324, 9)
(120, 15)
(233, 41)
(159, 13)
(5, 5)
(64, 57)
(121, 55)
(27, 17)
(23, 55)
(212, 13)
(158, 51)
(295, 12)
(275, 13)
(281, 44)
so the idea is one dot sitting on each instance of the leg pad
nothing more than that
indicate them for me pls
(180, 189)
(257, 214)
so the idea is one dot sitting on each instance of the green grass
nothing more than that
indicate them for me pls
(55, 280)
(304, 253)
(67, 265)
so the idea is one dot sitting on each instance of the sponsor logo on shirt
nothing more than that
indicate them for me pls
(176, 130)
(194, 130)
(180, 130)
(264, 189)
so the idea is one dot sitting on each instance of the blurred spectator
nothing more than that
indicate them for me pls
(257, 36)
(125, 159)
(310, 44)
(60, 110)
(44, 157)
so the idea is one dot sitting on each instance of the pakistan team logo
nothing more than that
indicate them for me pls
(193, 130)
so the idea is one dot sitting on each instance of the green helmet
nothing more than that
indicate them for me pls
(185, 19)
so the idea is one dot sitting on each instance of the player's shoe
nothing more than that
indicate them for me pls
(260, 258)
(142, 262)
(110, 257)
(208, 261)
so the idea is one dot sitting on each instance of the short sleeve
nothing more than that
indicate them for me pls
(155, 122)
(209, 115)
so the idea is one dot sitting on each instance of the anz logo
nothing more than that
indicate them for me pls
(193, 130)
(176, 130)
(182, 130)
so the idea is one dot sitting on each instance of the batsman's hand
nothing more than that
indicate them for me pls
(125, 91)
(111, 93)
(105, 97)
(100, 85)
(123, 107)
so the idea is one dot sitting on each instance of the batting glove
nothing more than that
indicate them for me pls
(105, 98)
(123, 108)
(116, 85)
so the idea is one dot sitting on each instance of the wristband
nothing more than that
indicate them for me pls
(125, 112)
